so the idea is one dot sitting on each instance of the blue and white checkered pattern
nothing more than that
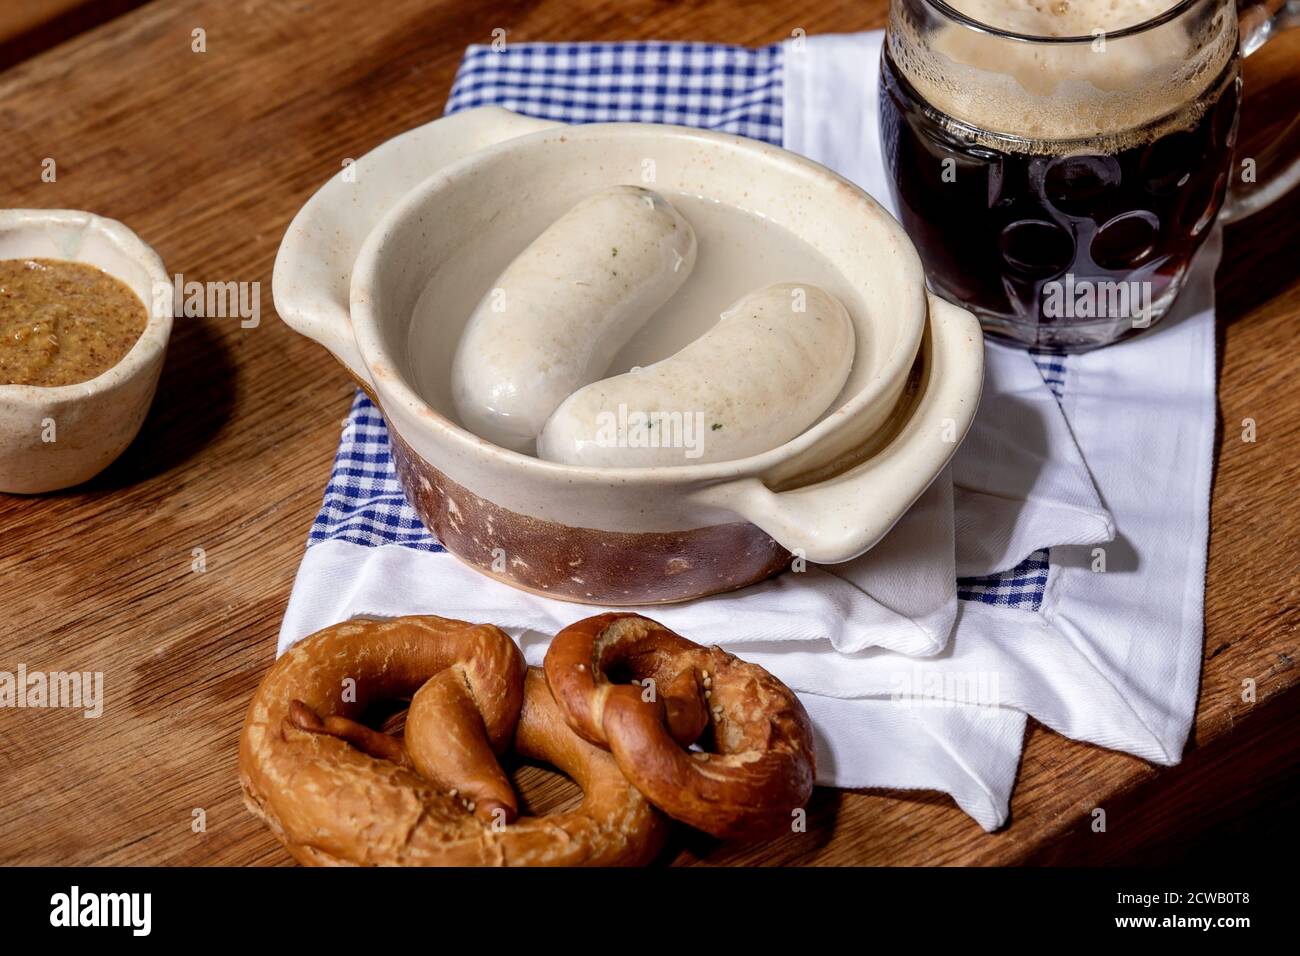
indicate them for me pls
(726, 88)
(364, 502)
(1052, 366)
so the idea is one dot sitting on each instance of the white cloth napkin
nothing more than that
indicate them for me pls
(908, 686)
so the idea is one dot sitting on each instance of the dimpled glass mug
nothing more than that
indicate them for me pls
(1059, 162)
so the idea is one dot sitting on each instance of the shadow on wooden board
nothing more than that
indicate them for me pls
(1232, 803)
(30, 28)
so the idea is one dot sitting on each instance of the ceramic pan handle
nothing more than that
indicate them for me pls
(313, 269)
(838, 519)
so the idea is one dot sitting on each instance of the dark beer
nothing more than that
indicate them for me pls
(1016, 227)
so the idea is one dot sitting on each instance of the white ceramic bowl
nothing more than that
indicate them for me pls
(91, 422)
(623, 536)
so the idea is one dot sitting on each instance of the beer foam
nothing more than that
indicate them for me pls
(1062, 18)
(1118, 91)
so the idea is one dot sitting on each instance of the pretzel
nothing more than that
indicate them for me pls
(761, 766)
(336, 792)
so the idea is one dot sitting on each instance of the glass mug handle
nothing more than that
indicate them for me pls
(1280, 162)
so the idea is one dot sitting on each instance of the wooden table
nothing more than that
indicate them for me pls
(207, 156)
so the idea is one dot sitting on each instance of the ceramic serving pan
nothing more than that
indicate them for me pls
(388, 252)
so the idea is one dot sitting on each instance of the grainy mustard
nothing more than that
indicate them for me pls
(63, 322)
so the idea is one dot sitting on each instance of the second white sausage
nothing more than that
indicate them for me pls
(762, 375)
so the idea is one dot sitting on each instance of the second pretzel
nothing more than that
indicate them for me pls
(757, 766)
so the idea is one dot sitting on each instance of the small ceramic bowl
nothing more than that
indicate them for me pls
(90, 423)
(368, 268)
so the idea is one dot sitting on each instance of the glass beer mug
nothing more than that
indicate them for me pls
(1059, 162)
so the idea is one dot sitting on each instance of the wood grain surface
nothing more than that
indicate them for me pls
(208, 156)
(29, 26)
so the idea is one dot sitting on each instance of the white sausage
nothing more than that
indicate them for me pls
(755, 380)
(564, 307)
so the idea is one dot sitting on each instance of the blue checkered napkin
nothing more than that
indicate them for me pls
(364, 502)
(726, 88)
